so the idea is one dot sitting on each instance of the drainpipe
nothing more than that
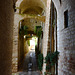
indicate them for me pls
(55, 16)
(51, 27)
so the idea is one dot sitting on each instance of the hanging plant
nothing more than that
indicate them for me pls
(38, 31)
(40, 61)
(23, 30)
(28, 37)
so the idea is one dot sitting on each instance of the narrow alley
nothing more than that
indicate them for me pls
(30, 64)
(37, 37)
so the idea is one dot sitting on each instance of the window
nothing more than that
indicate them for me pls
(66, 19)
(60, 1)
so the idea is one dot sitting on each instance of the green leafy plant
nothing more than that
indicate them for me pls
(29, 36)
(28, 42)
(23, 30)
(37, 51)
(51, 59)
(38, 31)
(40, 61)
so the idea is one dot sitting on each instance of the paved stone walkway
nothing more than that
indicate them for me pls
(30, 65)
(29, 73)
(30, 62)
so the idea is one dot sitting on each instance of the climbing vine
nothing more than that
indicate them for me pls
(51, 59)
(40, 61)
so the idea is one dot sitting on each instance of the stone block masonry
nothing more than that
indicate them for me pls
(66, 41)
(65, 36)
(6, 34)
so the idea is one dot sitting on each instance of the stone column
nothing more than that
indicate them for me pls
(17, 19)
(6, 28)
(46, 32)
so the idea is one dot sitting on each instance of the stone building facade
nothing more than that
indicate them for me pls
(65, 36)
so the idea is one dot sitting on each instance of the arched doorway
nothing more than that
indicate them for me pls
(30, 41)
(24, 15)
(51, 61)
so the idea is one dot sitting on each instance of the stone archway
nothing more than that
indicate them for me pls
(17, 18)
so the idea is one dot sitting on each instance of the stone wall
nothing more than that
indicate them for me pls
(6, 28)
(66, 42)
(65, 36)
(31, 23)
(15, 43)
(16, 48)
